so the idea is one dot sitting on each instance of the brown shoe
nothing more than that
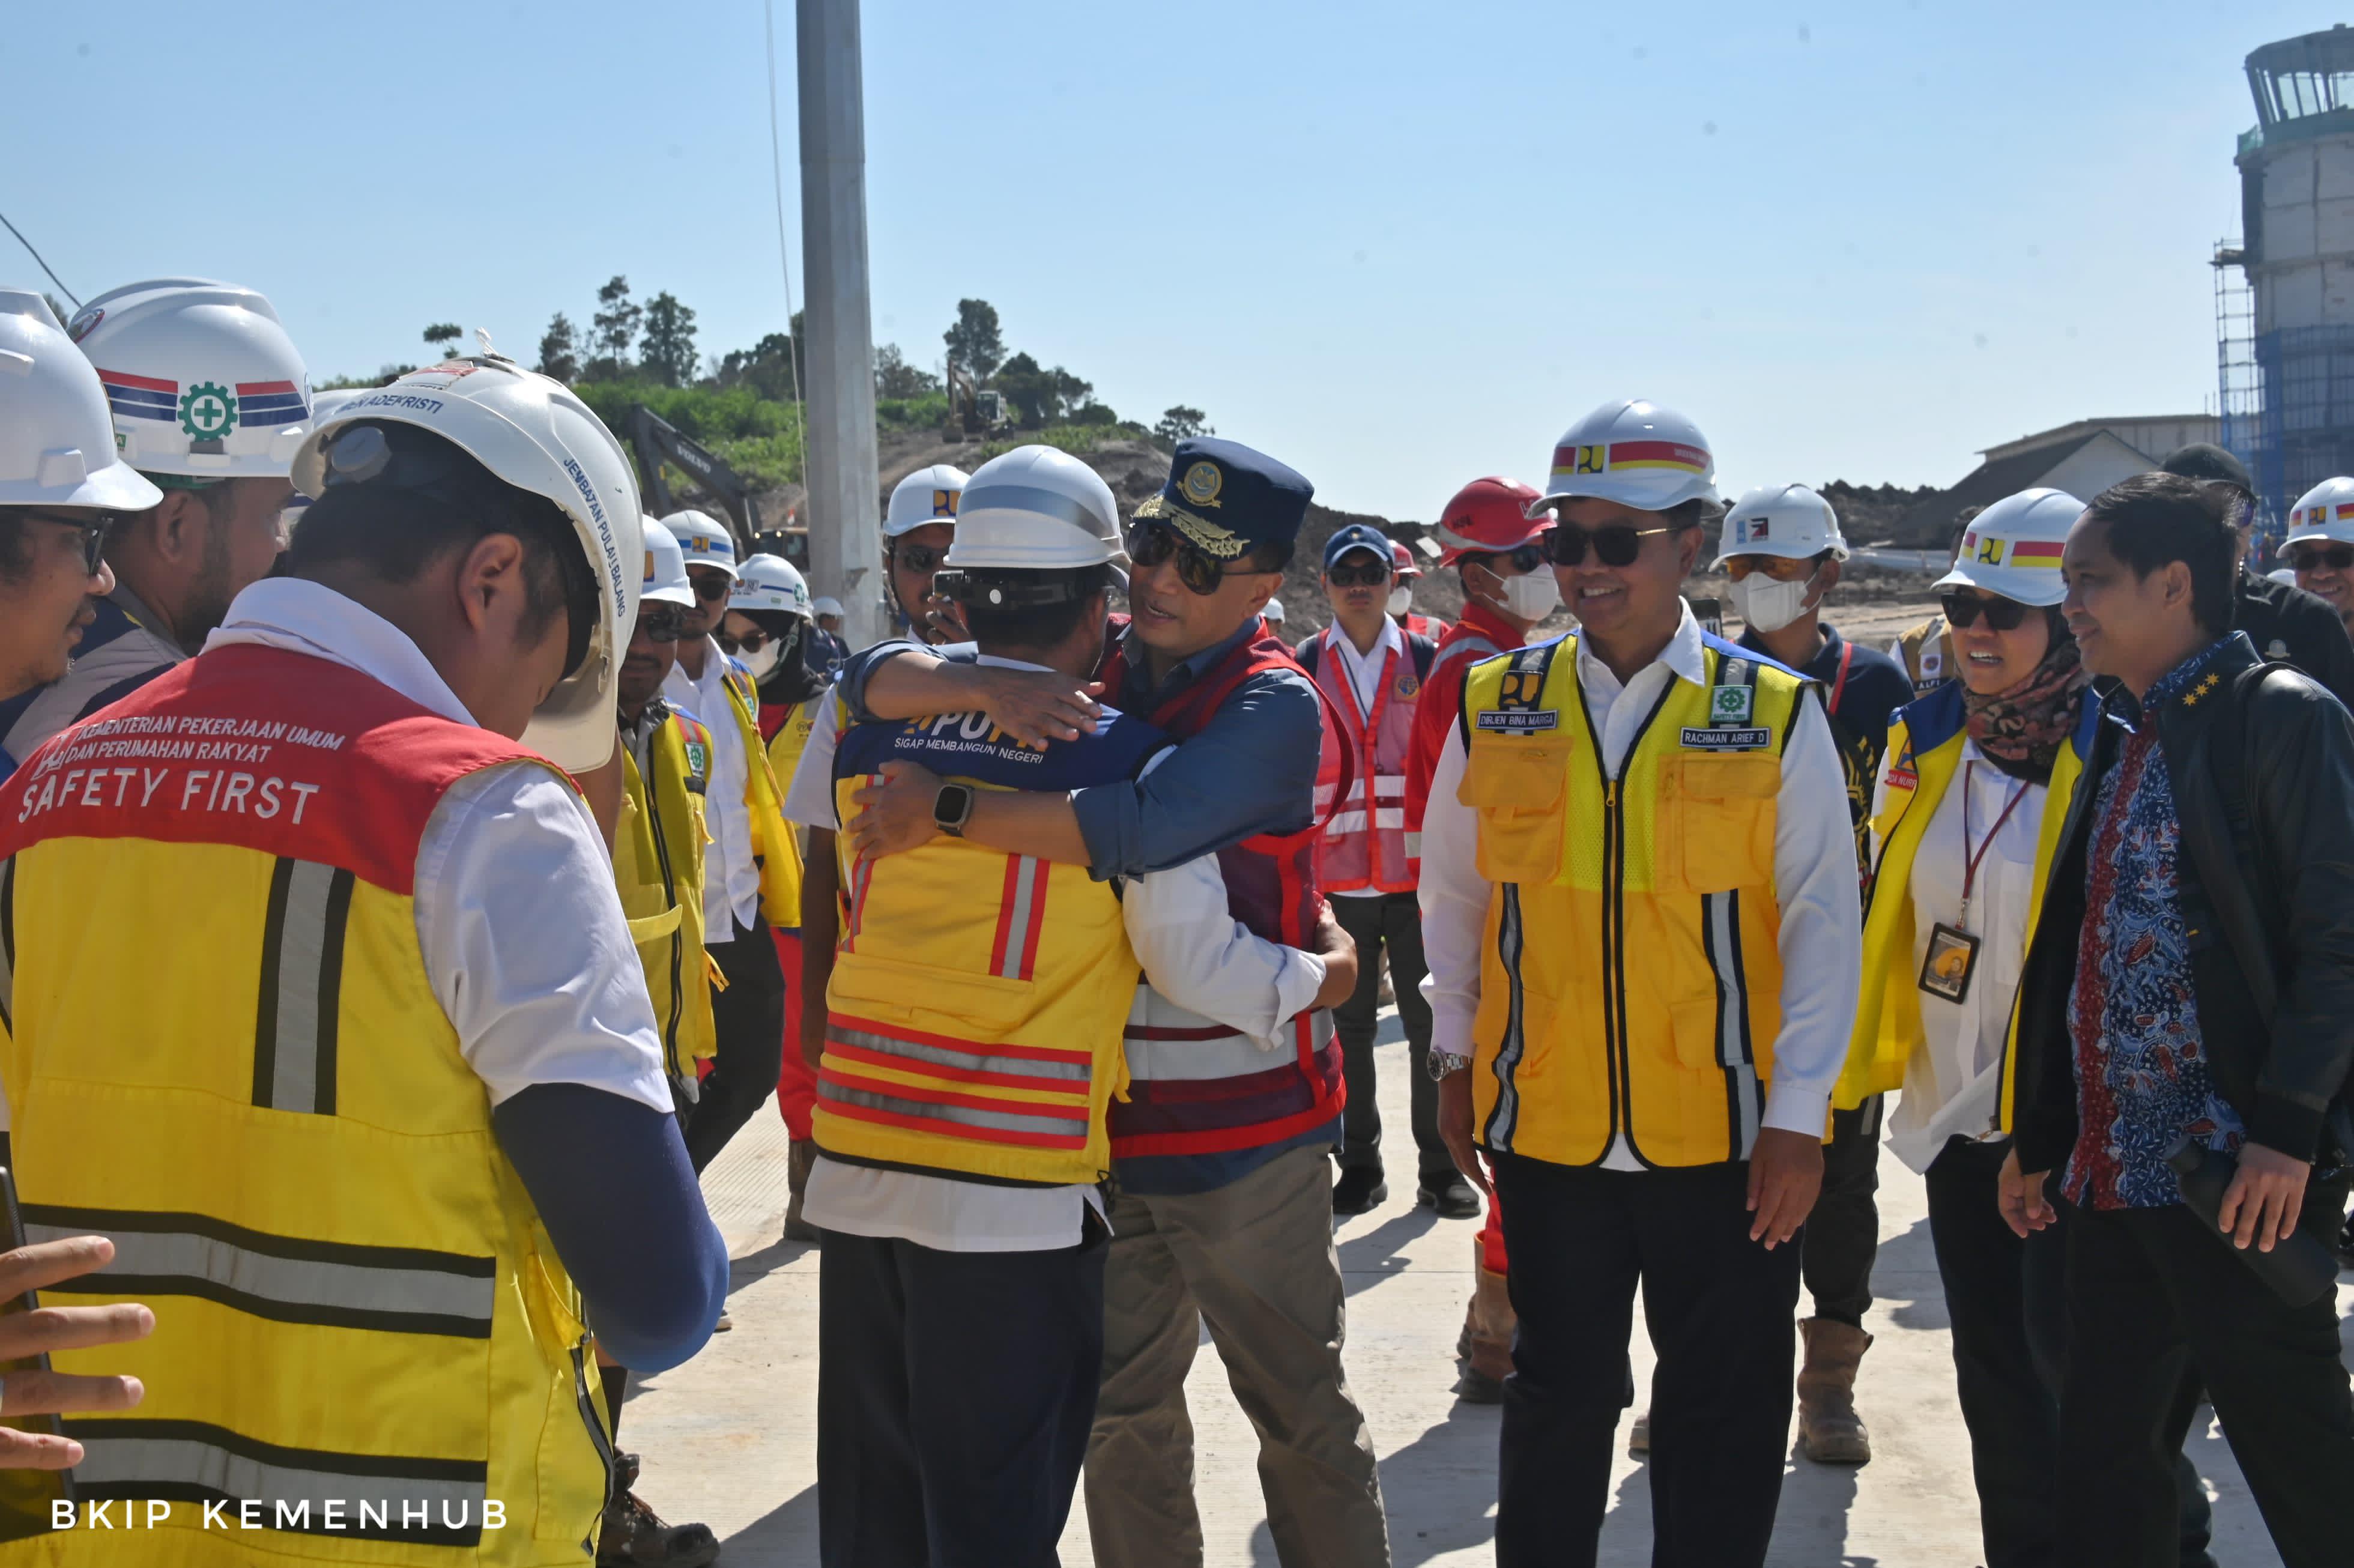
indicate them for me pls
(1638, 1437)
(1829, 1431)
(1485, 1350)
(798, 1163)
(632, 1535)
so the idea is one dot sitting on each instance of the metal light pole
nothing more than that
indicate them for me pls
(845, 523)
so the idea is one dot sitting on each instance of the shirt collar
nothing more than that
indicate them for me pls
(303, 617)
(1684, 655)
(1189, 669)
(131, 605)
(1391, 638)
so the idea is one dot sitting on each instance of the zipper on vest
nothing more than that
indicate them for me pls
(1616, 1049)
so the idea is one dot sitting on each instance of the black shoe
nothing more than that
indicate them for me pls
(1478, 1388)
(1359, 1191)
(1450, 1194)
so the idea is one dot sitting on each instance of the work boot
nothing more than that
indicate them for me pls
(1360, 1191)
(633, 1536)
(1450, 1196)
(1638, 1437)
(798, 1161)
(1485, 1349)
(1829, 1431)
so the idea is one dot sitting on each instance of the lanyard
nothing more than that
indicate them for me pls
(1846, 657)
(1970, 858)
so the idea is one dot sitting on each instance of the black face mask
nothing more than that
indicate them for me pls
(790, 679)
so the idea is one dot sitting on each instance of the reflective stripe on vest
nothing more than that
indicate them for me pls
(1630, 981)
(301, 978)
(1363, 848)
(659, 865)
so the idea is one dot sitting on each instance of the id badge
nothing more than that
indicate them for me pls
(1953, 955)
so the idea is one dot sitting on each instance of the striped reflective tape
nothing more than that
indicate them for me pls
(302, 987)
(429, 1501)
(1021, 916)
(1015, 1066)
(1721, 938)
(1505, 1116)
(288, 1280)
(965, 1113)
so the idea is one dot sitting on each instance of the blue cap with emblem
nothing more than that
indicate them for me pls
(1225, 499)
(1356, 537)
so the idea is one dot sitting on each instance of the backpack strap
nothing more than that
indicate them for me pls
(1424, 650)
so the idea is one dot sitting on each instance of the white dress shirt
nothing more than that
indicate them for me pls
(1821, 940)
(1953, 1080)
(731, 884)
(1365, 673)
(1191, 947)
(808, 793)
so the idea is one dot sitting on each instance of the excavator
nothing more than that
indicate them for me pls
(656, 442)
(972, 411)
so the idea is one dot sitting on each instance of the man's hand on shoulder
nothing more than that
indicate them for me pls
(1036, 706)
(895, 815)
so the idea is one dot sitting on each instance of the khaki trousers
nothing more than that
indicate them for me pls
(1256, 1263)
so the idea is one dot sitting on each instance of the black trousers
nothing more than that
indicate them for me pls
(955, 1392)
(750, 1018)
(1842, 1234)
(2153, 1299)
(1391, 921)
(1719, 1308)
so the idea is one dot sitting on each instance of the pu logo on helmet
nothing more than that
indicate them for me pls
(1591, 460)
(1990, 552)
(944, 503)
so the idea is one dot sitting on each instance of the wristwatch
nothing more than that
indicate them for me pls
(953, 809)
(1441, 1066)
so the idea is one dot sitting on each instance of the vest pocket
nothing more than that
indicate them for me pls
(965, 1000)
(1716, 822)
(1516, 787)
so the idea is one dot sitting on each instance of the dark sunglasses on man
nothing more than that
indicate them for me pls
(661, 622)
(2001, 614)
(711, 586)
(1150, 544)
(1368, 573)
(1615, 546)
(93, 532)
(1525, 558)
(2313, 558)
(917, 559)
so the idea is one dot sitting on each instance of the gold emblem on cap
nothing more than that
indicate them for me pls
(1201, 484)
(1200, 532)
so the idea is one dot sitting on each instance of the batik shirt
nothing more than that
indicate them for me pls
(2142, 1076)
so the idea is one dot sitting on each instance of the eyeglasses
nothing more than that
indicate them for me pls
(1372, 574)
(1152, 543)
(1524, 560)
(750, 642)
(1617, 545)
(93, 532)
(1781, 568)
(711, 585)
(2001, 614)
(661, 622)
(2313, 558)
(920, 559)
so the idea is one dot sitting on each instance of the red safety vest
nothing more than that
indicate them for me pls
(1365, 843)
(1271, 888)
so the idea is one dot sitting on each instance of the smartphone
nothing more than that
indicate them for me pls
(26, 1495)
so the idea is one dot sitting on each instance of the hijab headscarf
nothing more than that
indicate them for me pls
(2021, 730)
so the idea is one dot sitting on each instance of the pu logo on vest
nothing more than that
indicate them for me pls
(972, 732)
(1730, 709)
(1516, 710)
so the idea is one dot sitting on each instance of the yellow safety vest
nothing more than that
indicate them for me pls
(974, 1020)
(774, 843)
(658, 863)
(1629, 977)
(357, 1305)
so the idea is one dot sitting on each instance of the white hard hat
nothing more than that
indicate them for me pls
(533, 433)
(928, 496)
(326, 403)
(56, 444)
(665, 581)
(201, 378)
(1781, 520)
(826, 604)
(706, 540)
(1274, 612)
(1633, 452)
(771, 582)
(2012, 549)
(2324, 512)
(1035, 509)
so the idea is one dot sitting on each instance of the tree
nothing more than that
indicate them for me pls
(766, 366)
(974, 342)
(1182, 424)
(444, 335)
(612, 329)
(558, 351)
(668, 348)
(1041, 397)
(895, 377)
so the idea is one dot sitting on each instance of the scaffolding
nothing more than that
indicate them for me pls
(2240, 388)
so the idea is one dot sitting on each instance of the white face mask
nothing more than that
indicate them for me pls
(765, 660)
(1532, 596)
(1769, 606)
(1400, 597)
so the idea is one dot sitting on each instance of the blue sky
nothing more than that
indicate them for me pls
(1397, 245)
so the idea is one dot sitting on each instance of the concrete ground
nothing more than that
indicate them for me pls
(730, 1438)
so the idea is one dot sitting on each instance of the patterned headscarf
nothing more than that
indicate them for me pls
(2021, 730)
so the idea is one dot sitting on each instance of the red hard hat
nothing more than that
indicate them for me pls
(1489, 515)
(1402, 560)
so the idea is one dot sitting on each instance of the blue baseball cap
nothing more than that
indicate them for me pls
(1356, 537)
(1225, 499)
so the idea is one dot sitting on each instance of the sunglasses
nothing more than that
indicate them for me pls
(1780, 568)
(1152, 543)
(1617, 545)
(2001, 614)
(93, 532)
(920, 559)
(750, 642)
(661, 622)
(712, 586)
(1525, 558)
(1372, 574)
(2313, 558)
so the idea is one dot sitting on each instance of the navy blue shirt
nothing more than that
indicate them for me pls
(1862, 689)
(1250, 770)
